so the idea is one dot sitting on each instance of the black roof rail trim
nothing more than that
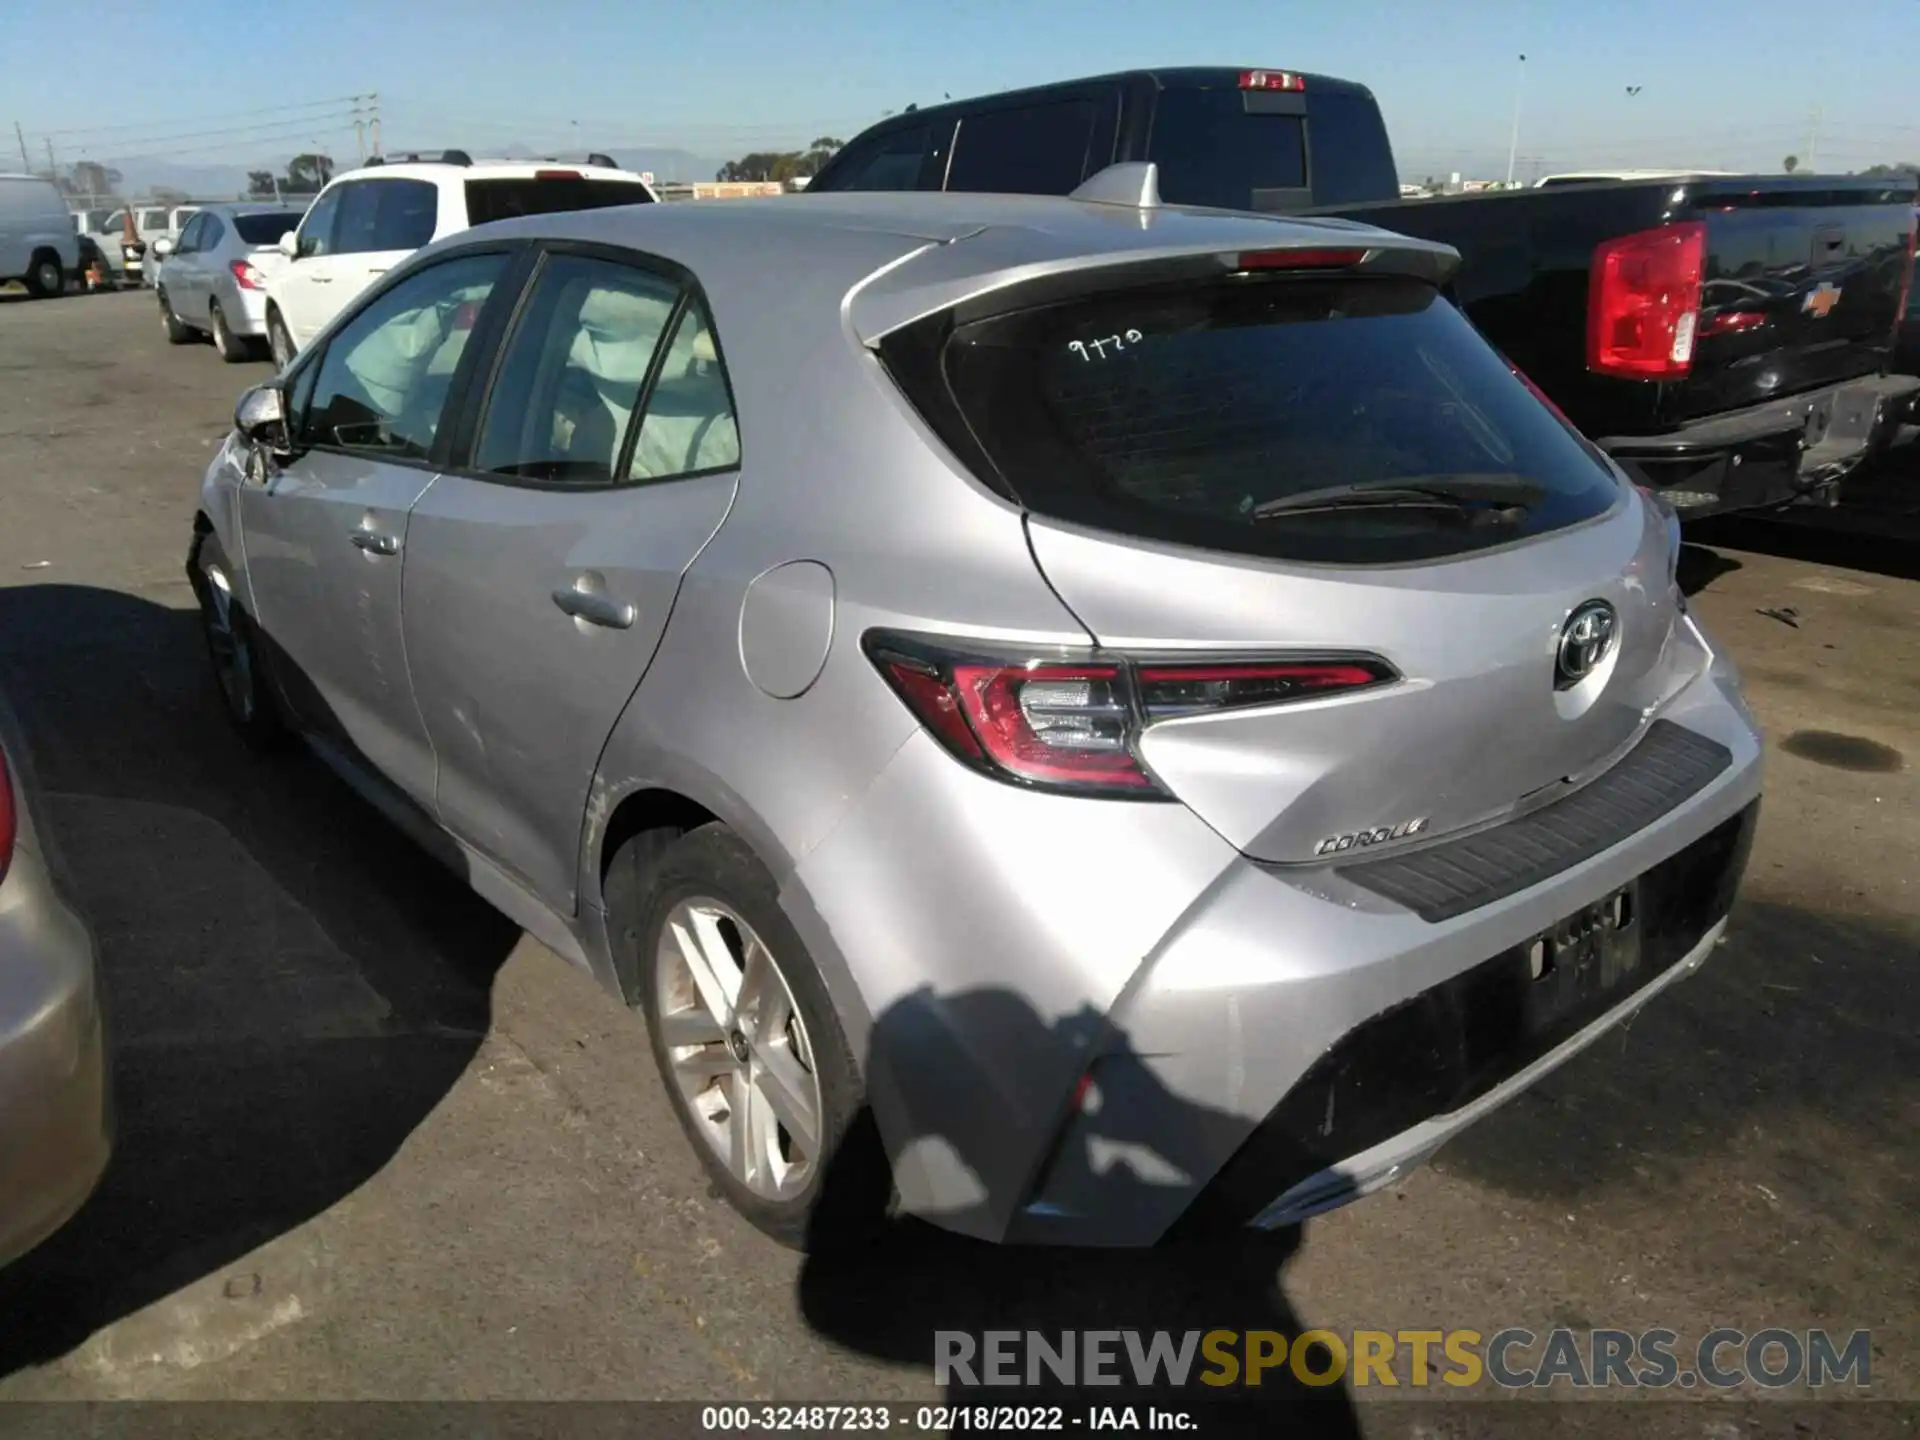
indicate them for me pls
(605, 161)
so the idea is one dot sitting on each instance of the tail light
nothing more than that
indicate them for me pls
(9, 823)
(249, 278)
(1072, 721)
(1272, 80)
(1298, 259)
(1643, 302)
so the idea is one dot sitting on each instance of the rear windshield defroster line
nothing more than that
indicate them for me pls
(1180, 412)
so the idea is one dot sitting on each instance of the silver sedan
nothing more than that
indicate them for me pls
(211, 280)
(55, 1106)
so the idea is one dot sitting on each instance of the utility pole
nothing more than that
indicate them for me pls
(1813, 139)
(373, 102)
(53, 167)
(21, 136)
(360, 138)
(1513, 145)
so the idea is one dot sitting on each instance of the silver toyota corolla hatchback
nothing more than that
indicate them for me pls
(1141, 712)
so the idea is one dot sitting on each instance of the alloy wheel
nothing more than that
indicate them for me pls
(738, 1048)
(227, 640)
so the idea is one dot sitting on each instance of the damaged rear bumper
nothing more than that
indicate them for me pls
(1793, 449)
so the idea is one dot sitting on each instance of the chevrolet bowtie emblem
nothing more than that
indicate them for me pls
(1821, 300)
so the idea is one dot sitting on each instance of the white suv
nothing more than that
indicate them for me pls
(369, 220)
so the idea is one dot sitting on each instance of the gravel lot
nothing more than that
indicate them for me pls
(377, 1144)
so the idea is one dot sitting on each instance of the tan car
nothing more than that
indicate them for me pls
(56, 1112)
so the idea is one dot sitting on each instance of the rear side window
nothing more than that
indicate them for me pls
(572, 372)
(264, 229)
(1176, 413)
(378, 215)
(1034, 150)
(1212, 151)
(888, 162)
(153, 220)
(502, 199)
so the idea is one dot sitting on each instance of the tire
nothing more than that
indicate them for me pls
(233, 647)
(178, 333)
(46, 277)
(233, 348)
(279, 340)
(784, 1040)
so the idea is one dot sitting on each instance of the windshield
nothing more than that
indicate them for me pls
(501, 199)
(1182, 413)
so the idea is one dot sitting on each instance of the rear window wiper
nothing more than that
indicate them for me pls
(1491, 499)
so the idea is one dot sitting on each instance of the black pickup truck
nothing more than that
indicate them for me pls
(1725, 338)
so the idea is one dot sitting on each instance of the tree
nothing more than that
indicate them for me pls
(1790, 164)
(167, 195)
(781, 165)
(1905, 167)
(260, 185)
(308, 173)
(90, 177)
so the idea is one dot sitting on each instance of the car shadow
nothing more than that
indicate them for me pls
(900, 1290)
(290, 984)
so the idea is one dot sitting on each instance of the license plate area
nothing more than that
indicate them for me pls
(1590, 955)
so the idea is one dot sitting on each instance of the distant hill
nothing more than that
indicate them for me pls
(142, 174)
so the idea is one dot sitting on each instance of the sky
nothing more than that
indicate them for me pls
(1721, 85)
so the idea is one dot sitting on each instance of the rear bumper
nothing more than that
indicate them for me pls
(55, 1105)
(1787, 450)
(1094, 1059)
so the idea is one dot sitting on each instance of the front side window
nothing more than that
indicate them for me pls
(190, 237)
(153, 220)
(316, 231)
(689, 427)
(212, 230)
(571, 373)
(382, 385)
(1204, 414)
(384, 215)
(1033, 150)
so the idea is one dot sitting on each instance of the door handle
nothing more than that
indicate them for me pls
(319, 279)
(596, 609)
(374, 544)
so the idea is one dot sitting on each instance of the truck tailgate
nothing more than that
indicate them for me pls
(1802, 286)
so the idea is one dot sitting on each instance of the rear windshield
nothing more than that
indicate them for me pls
(502, 199)
(1212, 152)
(1177, 412)
(265, 229)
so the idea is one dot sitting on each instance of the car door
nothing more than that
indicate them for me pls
(382, 222)
(540, 574)
(303, 288)
(326, 534)
(181, 272)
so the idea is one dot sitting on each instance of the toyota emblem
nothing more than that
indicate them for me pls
(1584, 642)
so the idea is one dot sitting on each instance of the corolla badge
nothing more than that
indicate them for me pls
(1379, 835)
(1584, 642)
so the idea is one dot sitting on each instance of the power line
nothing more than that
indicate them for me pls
(199, 119)
(300, 135)
(236, 134)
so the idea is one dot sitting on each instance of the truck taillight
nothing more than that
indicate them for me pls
(1272, 80)
(1643, 302)
(1063, 722)
(9, 825)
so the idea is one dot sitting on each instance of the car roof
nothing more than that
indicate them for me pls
(253, 207)
(478, 170)
(935, 248)
(1166, 77)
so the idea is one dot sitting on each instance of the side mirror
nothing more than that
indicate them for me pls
(162, 248)
(261, 418)
(290, 244)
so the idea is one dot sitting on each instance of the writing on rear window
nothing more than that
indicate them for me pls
(1091, 349)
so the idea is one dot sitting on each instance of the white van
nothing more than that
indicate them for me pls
(37, 243)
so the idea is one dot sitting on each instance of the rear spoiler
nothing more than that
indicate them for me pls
(1142, 233)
